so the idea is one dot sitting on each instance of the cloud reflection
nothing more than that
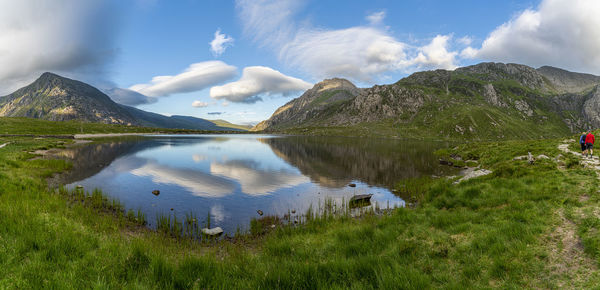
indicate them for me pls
(196, 182)
(255, 181)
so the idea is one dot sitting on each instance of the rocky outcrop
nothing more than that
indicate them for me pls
(490, 95)
(568, 82)
(591, 108)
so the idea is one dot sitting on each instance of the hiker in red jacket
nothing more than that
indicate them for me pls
(589, 143)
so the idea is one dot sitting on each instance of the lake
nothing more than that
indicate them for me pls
(231, 177)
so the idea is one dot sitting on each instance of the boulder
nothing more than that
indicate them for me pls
(472, 174)
(156, 192)
(212, 232)
(542, 156)
(260, 212)
(352, 185)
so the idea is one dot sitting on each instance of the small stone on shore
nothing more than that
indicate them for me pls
(212, 232)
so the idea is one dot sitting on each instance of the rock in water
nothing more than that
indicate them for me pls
(260, 212)
(360, 200)
(361, 197)
(212, 232)
(352, 185)
(156, 192)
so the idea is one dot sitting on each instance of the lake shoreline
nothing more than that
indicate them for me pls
(499, 230)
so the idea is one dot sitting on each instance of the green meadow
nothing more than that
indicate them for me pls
(525, 225)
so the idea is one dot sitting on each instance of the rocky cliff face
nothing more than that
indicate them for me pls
(55, 98)
(488, 101)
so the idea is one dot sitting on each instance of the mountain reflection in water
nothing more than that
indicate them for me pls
(230, 177)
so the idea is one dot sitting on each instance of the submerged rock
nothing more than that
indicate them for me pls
(156, 192)
(361, 197)
(212, 232)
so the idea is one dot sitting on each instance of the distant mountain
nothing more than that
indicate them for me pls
(224, 123)
(483, 101)
(56, 98)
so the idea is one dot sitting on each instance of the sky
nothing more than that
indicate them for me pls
(241, 60)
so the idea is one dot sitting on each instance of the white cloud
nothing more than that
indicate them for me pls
(129, 97)
(361, 53)
(562, 33)
(258, 80)
(376, 18)
(269, 22)
(196, 77)
(468, 52)
(220, 43)
(70, 37)
(436, 54)
(199, 104)
(465, 40)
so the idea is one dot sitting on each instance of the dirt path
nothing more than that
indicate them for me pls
(567, 259)
(593, 162)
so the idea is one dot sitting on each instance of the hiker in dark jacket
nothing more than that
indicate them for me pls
(589, 143)
(582, 143)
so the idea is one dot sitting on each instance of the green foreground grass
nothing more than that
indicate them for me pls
(499, 230)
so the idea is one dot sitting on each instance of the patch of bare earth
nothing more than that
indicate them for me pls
(569, 265)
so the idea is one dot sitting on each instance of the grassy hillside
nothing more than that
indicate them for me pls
(21, 126)
(514, 228)
(225, 124)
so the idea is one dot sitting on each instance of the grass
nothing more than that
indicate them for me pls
(493, 231)
(22, 126)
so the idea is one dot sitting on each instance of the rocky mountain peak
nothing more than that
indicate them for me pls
(334, 83)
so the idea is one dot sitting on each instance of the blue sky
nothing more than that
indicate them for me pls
(274, 50)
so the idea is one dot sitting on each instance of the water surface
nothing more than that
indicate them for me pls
(230, 177)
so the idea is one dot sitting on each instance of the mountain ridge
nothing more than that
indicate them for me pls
(56, 98)
(482, 101)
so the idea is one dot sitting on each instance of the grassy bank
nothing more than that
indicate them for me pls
(22, 126)
(509, 229)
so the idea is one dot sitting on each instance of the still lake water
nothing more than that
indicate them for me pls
(230, 177)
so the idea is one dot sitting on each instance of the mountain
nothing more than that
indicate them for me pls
(56, 98)
(479, 102)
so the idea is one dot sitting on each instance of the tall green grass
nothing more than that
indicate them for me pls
(488, 232)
